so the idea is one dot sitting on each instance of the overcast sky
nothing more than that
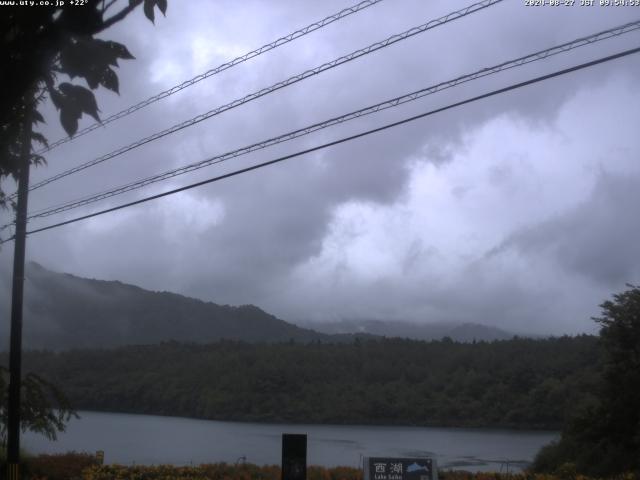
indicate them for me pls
(518, 211)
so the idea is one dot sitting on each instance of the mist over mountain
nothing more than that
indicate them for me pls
(63, 311)
(459, 332)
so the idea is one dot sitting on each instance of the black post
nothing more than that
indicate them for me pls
(15, 349)
(294, 456)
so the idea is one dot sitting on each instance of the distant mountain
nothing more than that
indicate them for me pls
(459, 332)
(63, 311)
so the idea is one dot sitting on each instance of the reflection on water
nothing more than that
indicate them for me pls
(146, 439)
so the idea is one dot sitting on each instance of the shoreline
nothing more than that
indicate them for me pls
(478, 428)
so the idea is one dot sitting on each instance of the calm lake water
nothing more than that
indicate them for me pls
(146, 439)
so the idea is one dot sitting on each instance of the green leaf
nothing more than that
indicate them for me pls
(37, 117)
(87, 101)
(56, 98)
(162, 5)
(120, 50)
(69, 120)
(84, 98)
(93, 79)
(109, 80)
(99, 54)
(38, 160)
(104, 55)
(74, 59)
(66, 88)
(70, 113)
(41, 139)
(148, 9)
(90, 57)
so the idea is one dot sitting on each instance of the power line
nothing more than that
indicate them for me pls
(394, 102)
(344, 139)
(220, 68)
(277, 86)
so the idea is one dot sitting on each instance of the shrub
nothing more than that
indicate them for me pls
(65, 466)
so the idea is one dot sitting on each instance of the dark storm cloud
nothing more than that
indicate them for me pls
(595, 239)
(283, 237)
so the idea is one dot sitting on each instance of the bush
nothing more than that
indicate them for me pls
(218, 471)
(549, 457)
(66, 466)
(83, 466)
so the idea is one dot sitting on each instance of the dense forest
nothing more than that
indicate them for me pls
(521, 383)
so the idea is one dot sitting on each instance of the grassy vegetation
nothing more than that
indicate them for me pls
(66, 466)
(83, 466)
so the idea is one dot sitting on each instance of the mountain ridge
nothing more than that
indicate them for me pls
(64, 311)
(459, 332)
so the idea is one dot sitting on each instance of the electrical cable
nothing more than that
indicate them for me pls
(343, 140)
(277, 86)
(220, 68)
(394, 102)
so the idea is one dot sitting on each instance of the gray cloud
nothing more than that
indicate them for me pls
(391, 226)
(596, 239)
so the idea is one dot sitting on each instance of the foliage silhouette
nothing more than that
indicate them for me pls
(37, 45)
(42, 43)
(603, 437)
(44, 408)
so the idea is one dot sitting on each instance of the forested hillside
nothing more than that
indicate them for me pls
(513, 383)
(64, 311)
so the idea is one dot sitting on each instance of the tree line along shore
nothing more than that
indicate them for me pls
(518, 383)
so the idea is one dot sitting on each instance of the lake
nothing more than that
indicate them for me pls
(146, 439)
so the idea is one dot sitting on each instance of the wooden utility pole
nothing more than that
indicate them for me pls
(15, 349)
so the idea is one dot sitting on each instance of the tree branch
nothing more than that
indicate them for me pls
(107, 6)
(119, 16)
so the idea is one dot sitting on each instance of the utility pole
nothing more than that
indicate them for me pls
(15, 349)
